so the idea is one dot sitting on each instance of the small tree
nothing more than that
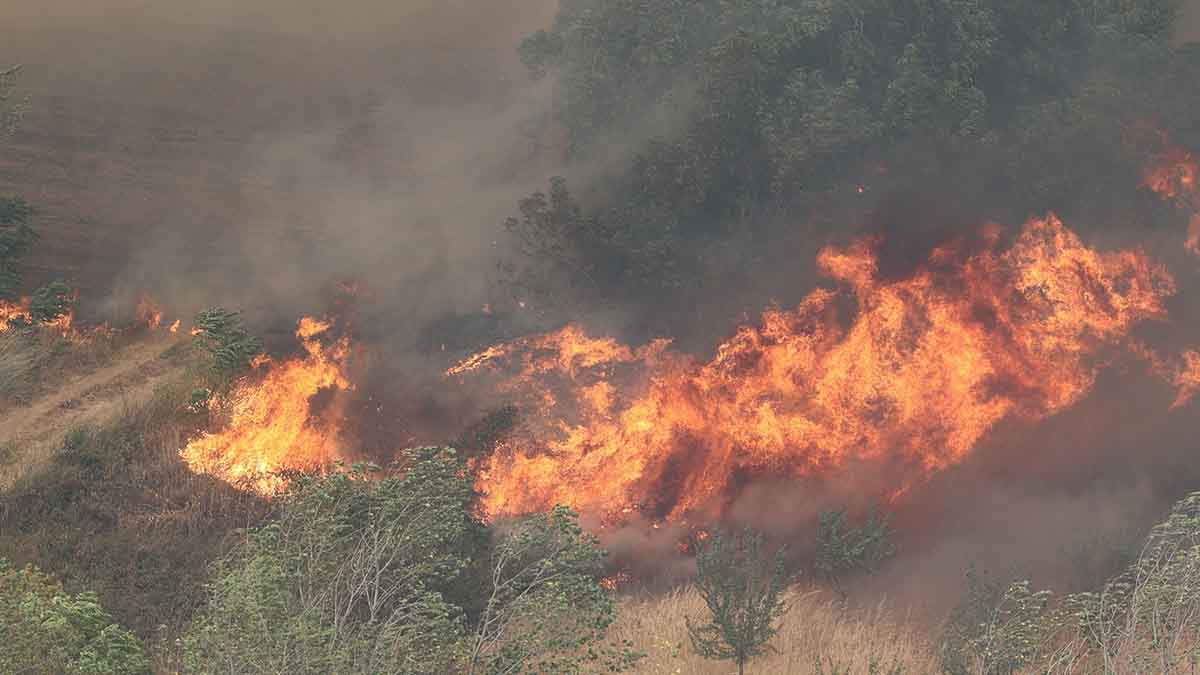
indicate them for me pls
(46, 630)
(743, 589)
(16, 239)
(51, 302)
(843, 549)
(221, 333)
(11, 107)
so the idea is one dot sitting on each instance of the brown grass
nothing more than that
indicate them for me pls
(817, 627)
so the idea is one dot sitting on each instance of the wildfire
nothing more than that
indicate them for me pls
(1175, 175)
(19, 313)
(274, 424)
(148, 312)
(912, 380)
(1187, 379)
(14, 313)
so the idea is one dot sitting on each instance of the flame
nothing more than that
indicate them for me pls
(174, 326)
(148, 312)
(1175, 175)
(273, 426)
(913, 380)
(14, 313)
(1187, 379)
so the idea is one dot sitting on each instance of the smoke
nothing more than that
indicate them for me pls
(1188, 27)
(254, 154)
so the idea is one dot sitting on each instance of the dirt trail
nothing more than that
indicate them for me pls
(34, 431)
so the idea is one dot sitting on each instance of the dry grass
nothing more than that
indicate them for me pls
(817, 627)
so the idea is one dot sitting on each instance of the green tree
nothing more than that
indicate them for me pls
(47, 630)
(221, 333)
(844, 549)
(367, 571)
(17, 237)
(546, 611)
(11, 107)
(351, 576)
(733, 115)
(51, 302)
(743, 589)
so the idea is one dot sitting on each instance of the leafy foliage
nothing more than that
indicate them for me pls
(362, 572)
(844, 549)
(221, 333)
(730, 115)
(743, 589)
(48, 630)
(997, 629)
(546, 611)
(51, 302)
(12, 108)
(17, 237)
(348, 577)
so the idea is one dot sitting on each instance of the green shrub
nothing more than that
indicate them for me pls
(46, 630)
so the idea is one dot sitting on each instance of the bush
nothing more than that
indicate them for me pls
(50, 302)
(744, 592)
(222, 335)
(843, 549)
(48, 630)
(16, 239)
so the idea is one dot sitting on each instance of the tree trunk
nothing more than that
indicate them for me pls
(741, 666)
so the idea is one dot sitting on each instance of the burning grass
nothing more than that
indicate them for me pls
(912, 380)
(272, 425)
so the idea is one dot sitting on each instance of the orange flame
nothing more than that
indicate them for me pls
(13, 313)
(148, 312)
(924, 369)
(1187, 379)
(174, 326)
(273, 426)
(1175, 175)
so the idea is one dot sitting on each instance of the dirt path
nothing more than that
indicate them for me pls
(32, 433)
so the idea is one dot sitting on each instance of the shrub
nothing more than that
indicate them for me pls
(48, 630)
(744, 592)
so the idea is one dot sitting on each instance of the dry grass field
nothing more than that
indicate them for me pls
(818, 635)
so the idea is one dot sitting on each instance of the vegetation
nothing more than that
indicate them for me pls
(843, 549)
(221, 333)
(743, 589)
(365, 572)
(17, 237)
(47, 630)
(11, 107)
(734, 120)
(698, 134)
